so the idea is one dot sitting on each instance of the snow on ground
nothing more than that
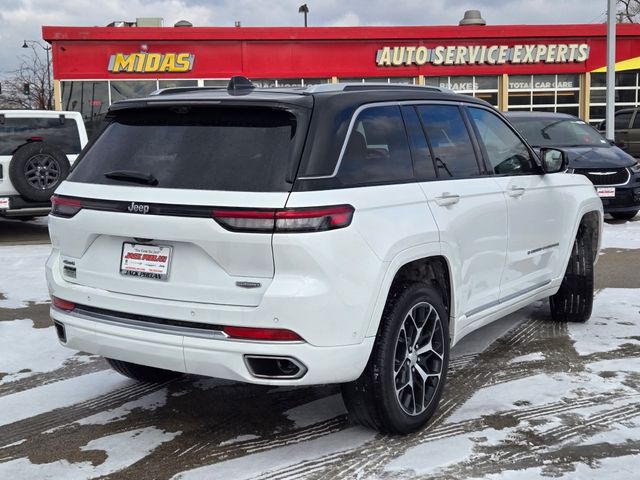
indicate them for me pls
(22, 275)
(539, 405)
(531, 357)
(28, 403)
(613, 323)
(122, 449)
(259, 463)
(148, 402)
(37, 351)
(622, 236)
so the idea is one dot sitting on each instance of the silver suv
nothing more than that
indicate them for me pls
(332, 234)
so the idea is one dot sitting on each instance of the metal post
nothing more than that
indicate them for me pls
(611, 68)
(48, 49)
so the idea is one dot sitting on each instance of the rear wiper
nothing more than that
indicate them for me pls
(132, 176)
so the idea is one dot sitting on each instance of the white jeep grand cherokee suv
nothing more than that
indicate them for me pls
(37, 148)
(334, 234)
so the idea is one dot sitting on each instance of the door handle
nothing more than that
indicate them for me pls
(447, 199)
(516, 191)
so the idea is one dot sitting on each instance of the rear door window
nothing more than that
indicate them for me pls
(220, 148)
(447, 132)
(59, 132)
(377, 150)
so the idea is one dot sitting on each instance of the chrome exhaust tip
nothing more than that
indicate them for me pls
(273, 367)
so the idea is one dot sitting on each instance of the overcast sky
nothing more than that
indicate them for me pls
(20, 19)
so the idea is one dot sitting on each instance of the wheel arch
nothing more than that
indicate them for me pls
(433, 269)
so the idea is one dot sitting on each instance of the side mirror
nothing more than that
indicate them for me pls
(553, 160)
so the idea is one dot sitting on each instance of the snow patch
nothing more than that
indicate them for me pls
(26, 348)
(148, 402)
(29, 403)
(122, 449)
(532, 357)
(23, 278)
(260, 463)
(420, 460)
(536, 390)
(613, 323)
(238, 439)
(623, 236)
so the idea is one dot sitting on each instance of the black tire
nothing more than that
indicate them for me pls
(574, 300)
(142, 373)
(373, 400)
(37, 169)
(624, 215)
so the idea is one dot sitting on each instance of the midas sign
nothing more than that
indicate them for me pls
(151, 62)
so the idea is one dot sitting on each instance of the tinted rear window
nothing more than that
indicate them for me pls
(236, 149)
(61, 133)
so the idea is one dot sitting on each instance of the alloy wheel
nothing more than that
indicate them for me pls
(42, 171)
(419, 358)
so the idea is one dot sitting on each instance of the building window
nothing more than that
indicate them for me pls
(177, 83)
(401, 80)
(123, 89)
(483, 87)
(545, 93)
(626, 90)
(90, 98)
(287, 82)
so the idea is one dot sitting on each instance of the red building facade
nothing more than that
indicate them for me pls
(514, 67)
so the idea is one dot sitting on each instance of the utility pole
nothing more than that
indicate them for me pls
(611, 69)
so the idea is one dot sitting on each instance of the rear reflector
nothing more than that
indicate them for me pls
(61, 304)
(65, 207)
(272, 334)
(289, 220)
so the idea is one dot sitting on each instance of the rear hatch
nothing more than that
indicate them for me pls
(168, 201)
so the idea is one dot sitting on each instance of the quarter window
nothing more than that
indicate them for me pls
(377, 150)
(450, 141)
(506, 153)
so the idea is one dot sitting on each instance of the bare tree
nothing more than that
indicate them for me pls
(32, 71)
(628, 11)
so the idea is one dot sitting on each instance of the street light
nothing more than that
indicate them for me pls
(304, 9)
(46, 49)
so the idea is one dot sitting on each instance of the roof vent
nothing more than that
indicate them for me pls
(472, 17)
(183, 23)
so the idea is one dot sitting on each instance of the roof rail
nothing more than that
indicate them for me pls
(340, 87)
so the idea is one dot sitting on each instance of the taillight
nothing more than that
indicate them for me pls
(61, 304)
(65, 207)
(240, 220)
(271, 334)
(288, 220)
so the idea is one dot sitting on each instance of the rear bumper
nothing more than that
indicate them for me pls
(335, 349)
(214, 357)
(19, 207)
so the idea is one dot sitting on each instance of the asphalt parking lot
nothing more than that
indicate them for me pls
(526, 398)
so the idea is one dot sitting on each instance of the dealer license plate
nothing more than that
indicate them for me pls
(147, 261)
(606, 192)
(4, 203)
